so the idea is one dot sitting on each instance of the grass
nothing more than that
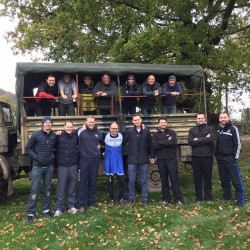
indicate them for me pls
(205, 226)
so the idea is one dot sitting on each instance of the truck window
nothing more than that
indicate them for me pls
(7, 115)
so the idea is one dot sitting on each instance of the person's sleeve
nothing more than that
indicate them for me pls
(30, 147)
(236, 143)
(150, 146)
(96, 88)
(146, 92)
(165, 90)
(113, 89)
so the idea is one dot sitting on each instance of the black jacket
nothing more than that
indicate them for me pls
(164, 144)
(67, 150)
(130, 90)
(148, 90)
(40, 148)
(203, 146)
(140, 145)
(228, 143)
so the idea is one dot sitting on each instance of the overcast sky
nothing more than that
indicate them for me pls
(8, 60)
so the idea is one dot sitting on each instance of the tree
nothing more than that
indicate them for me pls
(214, 34)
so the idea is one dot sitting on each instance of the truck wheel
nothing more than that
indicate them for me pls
(3, 180)
(154, 179)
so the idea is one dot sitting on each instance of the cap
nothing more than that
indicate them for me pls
(46, 118)
(172, 77)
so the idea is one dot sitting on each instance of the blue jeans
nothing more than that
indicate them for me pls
(168, 109)
(40, 173)
(146, 111)
(132, 169)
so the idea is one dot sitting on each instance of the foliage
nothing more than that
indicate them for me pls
(205, 226)
(213, 34)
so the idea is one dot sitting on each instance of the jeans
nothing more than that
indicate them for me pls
(66, 109)
(146, 111)
(168, 109)
(40, 173)
(132, 169)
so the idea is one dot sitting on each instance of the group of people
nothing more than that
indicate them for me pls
(99, 95)
(78, 152)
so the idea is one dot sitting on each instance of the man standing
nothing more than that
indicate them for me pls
(227, 154)
(89, 160)
(67, 162)
(140, 148)
(68, 91)
(170, 90)
(104, 90)
(41, 147)
(164, 143)
(47, 91)
(201, 138)
(113, 163)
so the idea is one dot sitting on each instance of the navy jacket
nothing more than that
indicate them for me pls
(89, 141)
(40, 148)
(204, 145)
(140, 145)
(168, 99)
(130, 90)
(148, 90)
(228, 143)
(67, 150)
(165, 148)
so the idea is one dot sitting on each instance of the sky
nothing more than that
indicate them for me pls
(8, 66)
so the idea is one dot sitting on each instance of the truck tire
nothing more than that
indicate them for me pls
(154, 179)
(6, 188)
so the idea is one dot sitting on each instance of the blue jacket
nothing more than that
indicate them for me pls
(40, 148)
(228, 143)
(89, 140)
(67, 150)
(168, 99)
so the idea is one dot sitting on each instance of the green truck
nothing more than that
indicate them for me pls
(13, 158)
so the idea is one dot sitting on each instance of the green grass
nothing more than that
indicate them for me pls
(207, 226)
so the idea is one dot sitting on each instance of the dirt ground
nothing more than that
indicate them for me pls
(245, 138)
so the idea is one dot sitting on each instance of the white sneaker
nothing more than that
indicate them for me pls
(57, 213)
(72, 210)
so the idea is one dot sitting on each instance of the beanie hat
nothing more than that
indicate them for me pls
(46, 118)
(172, 77)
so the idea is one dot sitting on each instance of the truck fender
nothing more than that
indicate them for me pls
(4, 165)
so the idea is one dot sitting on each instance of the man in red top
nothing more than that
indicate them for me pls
(48, 92)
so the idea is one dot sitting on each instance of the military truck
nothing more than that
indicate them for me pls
(29, 75)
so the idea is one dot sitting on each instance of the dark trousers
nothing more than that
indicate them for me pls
(202, 171)
(230, 171)
(66, 109)
(110, 186)
(66, 183)
(169, 168)
(87, 186)
(41, 110)
(128, 110)
(104, 111)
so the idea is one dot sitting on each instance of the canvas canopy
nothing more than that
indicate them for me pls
(26, 72)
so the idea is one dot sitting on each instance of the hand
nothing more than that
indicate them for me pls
(208, 135)
(104, 94)
(169, 138)
(99, 93)
(195, 139)
(74, 96)
(156, 92)
(152, 161)
(64, 97)
(58, 132)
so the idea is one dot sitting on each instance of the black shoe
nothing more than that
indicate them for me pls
(29, 219)
(48, 215)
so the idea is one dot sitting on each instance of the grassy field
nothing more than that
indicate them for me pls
(205, 226)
